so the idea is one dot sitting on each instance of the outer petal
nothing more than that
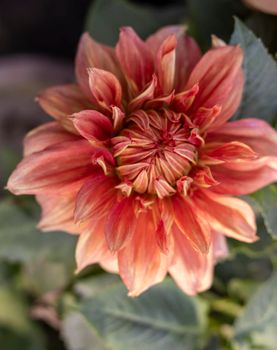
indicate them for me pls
(46, 135)
(166, 58)
(61, 102)
(191, 224)
(92, 247)
(246, 176)
(105, 88)
(186, 56)
(191, 270)
(93, 125)
(141, 263)
(96, 198)
(256, 133)
(230, 216)
(135, 59)
(120, 224)
(58, 212)
(220, 79)
(52, 168)
(93, 55)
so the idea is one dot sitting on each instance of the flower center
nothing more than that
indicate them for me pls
(154, 151)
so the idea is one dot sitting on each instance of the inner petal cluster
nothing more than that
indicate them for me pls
(154, 151)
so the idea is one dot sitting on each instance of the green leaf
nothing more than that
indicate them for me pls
(17, 331)
(258, 323)
(260, 93)
(267, 202)
(78, 333)
(47, 258)
(105, 17)
(162, 318)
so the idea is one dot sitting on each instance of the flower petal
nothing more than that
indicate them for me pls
(187, 52)
(141, 263)
(61, 102)
(93, 55)
(105, 88)
(120, 224)
(92, 246)
(135, 59)
(246, 176)
(233, 151)
(191, 224)
(165, 64)
(230, 216)
(256, 133)
(93, 125)
(96, 198)
(52, 168)
(191, 270)
(220, 80)
(46, 135)
(58, 212)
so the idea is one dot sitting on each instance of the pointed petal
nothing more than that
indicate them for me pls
(58, 212)
(165, 64)
(61, 102)
(92, 246)
(46, 135)
(120, 224)
(135, 59)
(93, 125)
(256, 133)
(96, 198)
(182, 101)
(233, 151)
(230, 216)
(105, 88)
(220, 80)
(246, 176)
(93, 55)
(191, 270)
(146, 95)
(191, 224)
(187, 52)
(52, 168)
(141, 264)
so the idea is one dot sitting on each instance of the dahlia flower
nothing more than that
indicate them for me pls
(141, 161)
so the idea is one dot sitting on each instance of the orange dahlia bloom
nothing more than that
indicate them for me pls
(141, 161)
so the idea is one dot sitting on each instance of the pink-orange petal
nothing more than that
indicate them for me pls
(105, 88)
(141, 263)
(246, 176)
(96, 198)
(61, 102)
(46, 135)
(120, 224)
(165, 64)
(191, 270)
(220, 80)
(230, 216)
(58, 212)
(256, 133)
(135, 59)
(191, 224)
(52, 168)
(93, 125)
(93, 55)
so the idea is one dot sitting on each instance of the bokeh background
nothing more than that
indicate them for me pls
(40, 296)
